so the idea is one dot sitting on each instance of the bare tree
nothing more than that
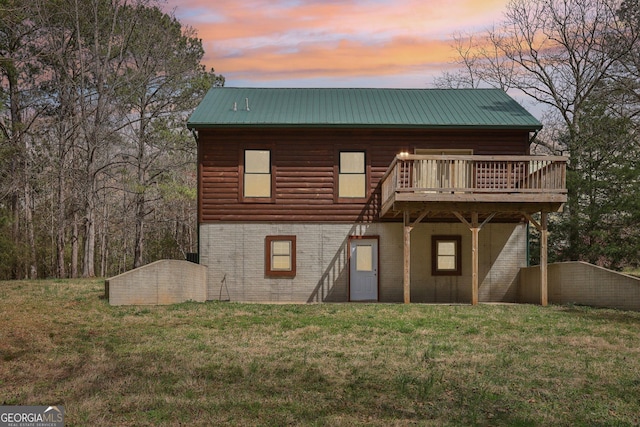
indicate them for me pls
(60, 121)
(560, 53)
(626, 75)
(93, 99)
(479, 61)
(163, 79)
(555, 51)
(18, 68)
(95, 47)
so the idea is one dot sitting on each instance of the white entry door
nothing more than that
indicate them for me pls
(363, 270)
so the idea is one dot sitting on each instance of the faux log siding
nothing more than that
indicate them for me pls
(305, 160)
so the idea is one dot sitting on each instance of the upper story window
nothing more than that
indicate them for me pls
(352, 176)
(257, 174)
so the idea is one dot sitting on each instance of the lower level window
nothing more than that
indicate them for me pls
(446, 258)
(280, 256)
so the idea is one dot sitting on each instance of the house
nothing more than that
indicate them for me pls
(390, 195)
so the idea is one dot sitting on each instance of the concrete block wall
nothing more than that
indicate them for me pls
(581, 283)
(529, 285)
(161, 282)
(234, 255)
(502, 253)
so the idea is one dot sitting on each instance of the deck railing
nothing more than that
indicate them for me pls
(448, 174)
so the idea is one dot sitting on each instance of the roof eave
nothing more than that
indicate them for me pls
(196, 126)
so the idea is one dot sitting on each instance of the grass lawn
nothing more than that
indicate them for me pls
(331, 364)
(633, 271)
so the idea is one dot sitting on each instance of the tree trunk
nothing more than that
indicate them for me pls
(75, 246)
(88, 260)
(15, 139)
(142, 187)
(62, 220)
(88, 268)
(61, 270)
(139, 241)
(31, 241)
(103, 240)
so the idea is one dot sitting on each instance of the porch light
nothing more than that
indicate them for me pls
(403, 154)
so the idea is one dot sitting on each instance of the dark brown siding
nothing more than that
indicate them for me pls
(304, 164)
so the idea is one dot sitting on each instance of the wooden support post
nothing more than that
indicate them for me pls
(407, 256)
(542, 227)
(475, 229)
(543, 260)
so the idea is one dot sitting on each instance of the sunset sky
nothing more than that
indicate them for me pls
(332, 43)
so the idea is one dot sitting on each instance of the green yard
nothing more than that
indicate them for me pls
(331, 364)
(633, 271)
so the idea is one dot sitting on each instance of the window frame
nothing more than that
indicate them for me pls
(241, 174)
(268, 269)
(367, 174)
(435, 239)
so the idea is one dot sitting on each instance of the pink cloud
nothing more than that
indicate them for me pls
(344, 58)
(261, 39)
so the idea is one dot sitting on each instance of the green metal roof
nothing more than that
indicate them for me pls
(424, 108)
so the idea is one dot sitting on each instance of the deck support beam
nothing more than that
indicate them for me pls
(406, 278)
(544, 235)
(475, 228)
(542, 227)
(475, 232)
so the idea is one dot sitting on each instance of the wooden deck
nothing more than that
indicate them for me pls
(473, 189)
(483, 184)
